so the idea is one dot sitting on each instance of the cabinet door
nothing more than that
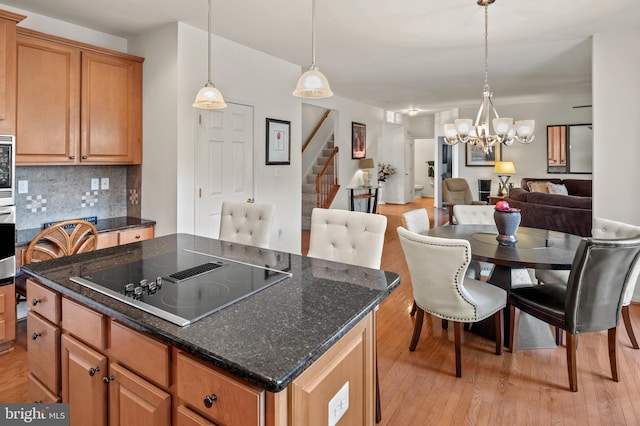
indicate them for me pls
(134, 401)
(111, 109)
(82, 386)
(7, 313)
(8, 74)
(48, 106)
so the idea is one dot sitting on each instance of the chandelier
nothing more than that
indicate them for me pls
(477, 133)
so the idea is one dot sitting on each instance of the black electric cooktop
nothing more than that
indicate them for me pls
(182, 287)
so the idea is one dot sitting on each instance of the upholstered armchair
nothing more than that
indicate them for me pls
(437, 267)
(246, 223)
(457, 191)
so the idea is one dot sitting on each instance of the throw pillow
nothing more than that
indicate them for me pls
(538, 186)
(557, 188)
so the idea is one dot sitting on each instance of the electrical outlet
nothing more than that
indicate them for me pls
(104, 183)
(95, 184)
(339, 405)
(23, 187)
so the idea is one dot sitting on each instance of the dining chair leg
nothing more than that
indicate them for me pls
(613, 353)
(417, 328)
(559, 336)
(499, 318)
(413, 309)
(457, 330)
(626, 318)
(514, 322)
(445, 324)
(571, 361)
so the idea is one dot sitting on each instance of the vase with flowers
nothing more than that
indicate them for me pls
(384, 171)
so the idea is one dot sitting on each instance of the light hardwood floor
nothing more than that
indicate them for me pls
(420, 388)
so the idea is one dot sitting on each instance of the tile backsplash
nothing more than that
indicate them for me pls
(65, 192)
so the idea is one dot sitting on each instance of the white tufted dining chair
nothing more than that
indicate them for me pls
(468, 214)
(416, 221)
(246, 223)
(605, 229)
(356, 238)
(437, 267)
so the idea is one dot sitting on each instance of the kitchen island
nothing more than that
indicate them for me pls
(286, 353)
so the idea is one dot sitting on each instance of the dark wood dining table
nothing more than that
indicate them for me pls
(535, 248)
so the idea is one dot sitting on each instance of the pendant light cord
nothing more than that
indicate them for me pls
(209, 45)
(313, 32)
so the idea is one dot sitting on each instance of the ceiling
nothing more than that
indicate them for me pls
(394, 54)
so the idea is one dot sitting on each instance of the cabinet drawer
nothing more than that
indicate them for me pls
(145, 356)
(133, 235)
(43, 351)
(186, 417)
(107, 239)
(39, 392)
(235, 403)
(84, 323)
(43, 301)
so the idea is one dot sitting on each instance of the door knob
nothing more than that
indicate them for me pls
(250, 200)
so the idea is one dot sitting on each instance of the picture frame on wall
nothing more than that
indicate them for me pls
(358, 140)
(278, 141)
(476, 158)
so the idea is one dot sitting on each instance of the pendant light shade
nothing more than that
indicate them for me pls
(313, 84)
(209, 97)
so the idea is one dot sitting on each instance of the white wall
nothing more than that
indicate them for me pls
(616, 96)
(160, 148)
(244, 76)
(530, 160)
(59, 28)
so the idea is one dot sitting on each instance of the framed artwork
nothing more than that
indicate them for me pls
(278, 142)
(475, 156)
(358, 140)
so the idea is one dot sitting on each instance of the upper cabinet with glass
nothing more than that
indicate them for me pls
(570, 148)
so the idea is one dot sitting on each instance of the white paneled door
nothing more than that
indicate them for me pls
(224, 163)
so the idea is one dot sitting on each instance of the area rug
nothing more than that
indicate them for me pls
(534, 334)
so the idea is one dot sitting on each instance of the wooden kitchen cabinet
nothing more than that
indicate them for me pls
(7, 316)
(76, 104)
(83, 387)
(8, 59)
(118, 238)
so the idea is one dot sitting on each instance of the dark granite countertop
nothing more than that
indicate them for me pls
(25, 236)
(267, 339)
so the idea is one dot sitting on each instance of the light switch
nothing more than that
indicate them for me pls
(23, 187)
(104, 183)
(95, 184)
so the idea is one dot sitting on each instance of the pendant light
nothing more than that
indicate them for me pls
(209, 97)
(313, 84)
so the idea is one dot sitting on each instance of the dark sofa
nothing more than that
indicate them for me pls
(565, 213)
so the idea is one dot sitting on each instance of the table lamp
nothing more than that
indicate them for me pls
(504, 169)
(364, 165)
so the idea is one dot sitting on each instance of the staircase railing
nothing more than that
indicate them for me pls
(327, 181)
(308, 141)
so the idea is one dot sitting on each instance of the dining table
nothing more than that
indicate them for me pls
(535, 248)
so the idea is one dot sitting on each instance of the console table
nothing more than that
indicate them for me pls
(370, 193)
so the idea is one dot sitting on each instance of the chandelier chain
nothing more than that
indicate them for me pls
(486, 47)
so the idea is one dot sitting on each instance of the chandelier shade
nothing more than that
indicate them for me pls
(209, 97)
(478, 133)
(312, 83)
